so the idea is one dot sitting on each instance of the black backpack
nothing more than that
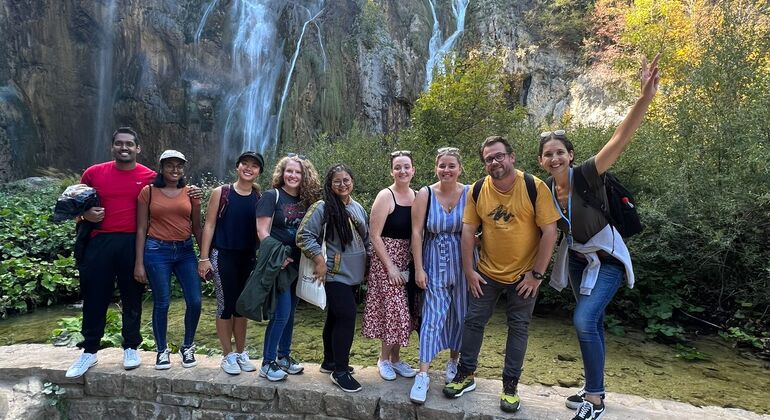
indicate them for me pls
(622, 212)
(529, 181)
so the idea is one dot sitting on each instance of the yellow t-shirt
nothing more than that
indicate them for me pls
(511, 232)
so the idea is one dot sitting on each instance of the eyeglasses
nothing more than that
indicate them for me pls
(559, 134)
(339, 183)
(294, 155)
(448, 151)
(497, 157)
(398, 153)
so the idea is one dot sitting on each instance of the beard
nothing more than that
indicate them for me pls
(499, 173)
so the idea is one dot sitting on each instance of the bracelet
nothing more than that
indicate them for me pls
(200, 260)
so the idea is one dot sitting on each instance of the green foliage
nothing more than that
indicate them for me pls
(691, 354)
(68, 332)
(560, 22)
(56, 396)
(36, 266)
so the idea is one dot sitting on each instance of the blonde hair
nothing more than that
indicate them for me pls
(309, 187)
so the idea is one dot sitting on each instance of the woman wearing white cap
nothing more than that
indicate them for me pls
(166, 217)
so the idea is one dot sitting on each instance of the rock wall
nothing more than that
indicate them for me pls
(364, 63)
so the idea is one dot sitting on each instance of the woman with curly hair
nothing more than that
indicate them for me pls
(342, 223)
(279, 213)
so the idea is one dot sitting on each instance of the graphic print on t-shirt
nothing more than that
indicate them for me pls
(500, 215)
(292, 216)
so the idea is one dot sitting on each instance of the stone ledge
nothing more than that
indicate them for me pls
(206, 392)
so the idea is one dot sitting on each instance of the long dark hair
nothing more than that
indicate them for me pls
(336, 216)
(159, 182)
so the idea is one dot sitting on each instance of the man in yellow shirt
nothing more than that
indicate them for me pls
(519, 232)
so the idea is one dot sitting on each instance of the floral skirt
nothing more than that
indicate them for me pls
(386, 315)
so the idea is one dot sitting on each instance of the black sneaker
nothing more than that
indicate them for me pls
(574, 401)
(588, 411)
(345, 381)
(509, 399)
(163, 361)
(328, 367)
(463, 382)
(188, 356)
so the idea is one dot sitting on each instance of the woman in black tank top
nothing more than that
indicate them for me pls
(386, 316)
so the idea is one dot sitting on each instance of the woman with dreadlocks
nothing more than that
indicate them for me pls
(343, 223)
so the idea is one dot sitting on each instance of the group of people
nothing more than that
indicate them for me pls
(465, 246)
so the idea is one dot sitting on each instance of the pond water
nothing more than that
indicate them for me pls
(635, 365)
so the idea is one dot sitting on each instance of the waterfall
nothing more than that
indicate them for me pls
(258, 62)
(438, 49)
(104, 90)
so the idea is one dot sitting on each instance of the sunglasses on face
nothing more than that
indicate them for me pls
(559, 134)
(497, 157)
(398, 153)
(294, 155)
(339, 183)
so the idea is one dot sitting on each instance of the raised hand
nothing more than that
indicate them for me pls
(650, 77)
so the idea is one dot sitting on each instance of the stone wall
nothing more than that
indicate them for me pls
(107, 391)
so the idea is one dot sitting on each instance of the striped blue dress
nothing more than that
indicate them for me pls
(446, 298)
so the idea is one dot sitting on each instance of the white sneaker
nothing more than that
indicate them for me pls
(451, 370)
(403, 369)
(85, 361)
(230, 364)
(420, 388)
(131, 359)
(386, 370)
(245, 363)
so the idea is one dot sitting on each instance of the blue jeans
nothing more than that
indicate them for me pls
(280, 329)
(161, 258)
(589, 316)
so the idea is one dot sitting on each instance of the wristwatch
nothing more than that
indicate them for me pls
(537, 276)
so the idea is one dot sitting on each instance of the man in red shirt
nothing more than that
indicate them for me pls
(109, 255)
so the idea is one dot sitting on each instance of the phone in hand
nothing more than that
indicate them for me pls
(209, 275)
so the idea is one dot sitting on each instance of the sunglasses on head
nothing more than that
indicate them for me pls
(559, 134)
(398, 153)
(294, 155)
(448, 151)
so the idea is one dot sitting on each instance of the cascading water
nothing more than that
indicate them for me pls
(438, 49)
(104, 91)
(258, 62)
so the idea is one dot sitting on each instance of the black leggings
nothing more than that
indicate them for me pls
(340, 325)
(231, 270)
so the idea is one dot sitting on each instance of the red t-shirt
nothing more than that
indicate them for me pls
(117, 191)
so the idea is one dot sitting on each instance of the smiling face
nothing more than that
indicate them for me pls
(448, 168)
(342, 185)
(248, 169)
(555, 157)
(292, 174)
(172, 170)
(401, 169)
(124, 148)
(497, 161)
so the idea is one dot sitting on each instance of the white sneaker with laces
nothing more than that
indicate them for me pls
(85, 361)
(420, 388)
(230, 364)
(245, 363)
(451, 370)
(131, 359)
(403, 369)
(386, 370)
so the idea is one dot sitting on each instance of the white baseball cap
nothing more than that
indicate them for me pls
(168, 154)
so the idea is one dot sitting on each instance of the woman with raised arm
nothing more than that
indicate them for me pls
(279, 213)
(437, 221)
(228, 251)
(386, 316)
(592, 256)
(166, 217)
(342, 223)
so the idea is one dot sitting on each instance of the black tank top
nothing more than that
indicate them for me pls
(398, 225)
(237, 229)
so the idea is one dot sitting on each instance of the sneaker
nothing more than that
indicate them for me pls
(574, 401)
(451, 370)
(272, 372)
(289, 365)
(85, 361)
(188, 356)
(163, 361)
(509, 399)
(403, 369)
(345, 381)
(131, 359)
(461, 383)
(386, 370)
(328, 367)
(588, 411)
(245, 363)
(420, 388)
(230, 364)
